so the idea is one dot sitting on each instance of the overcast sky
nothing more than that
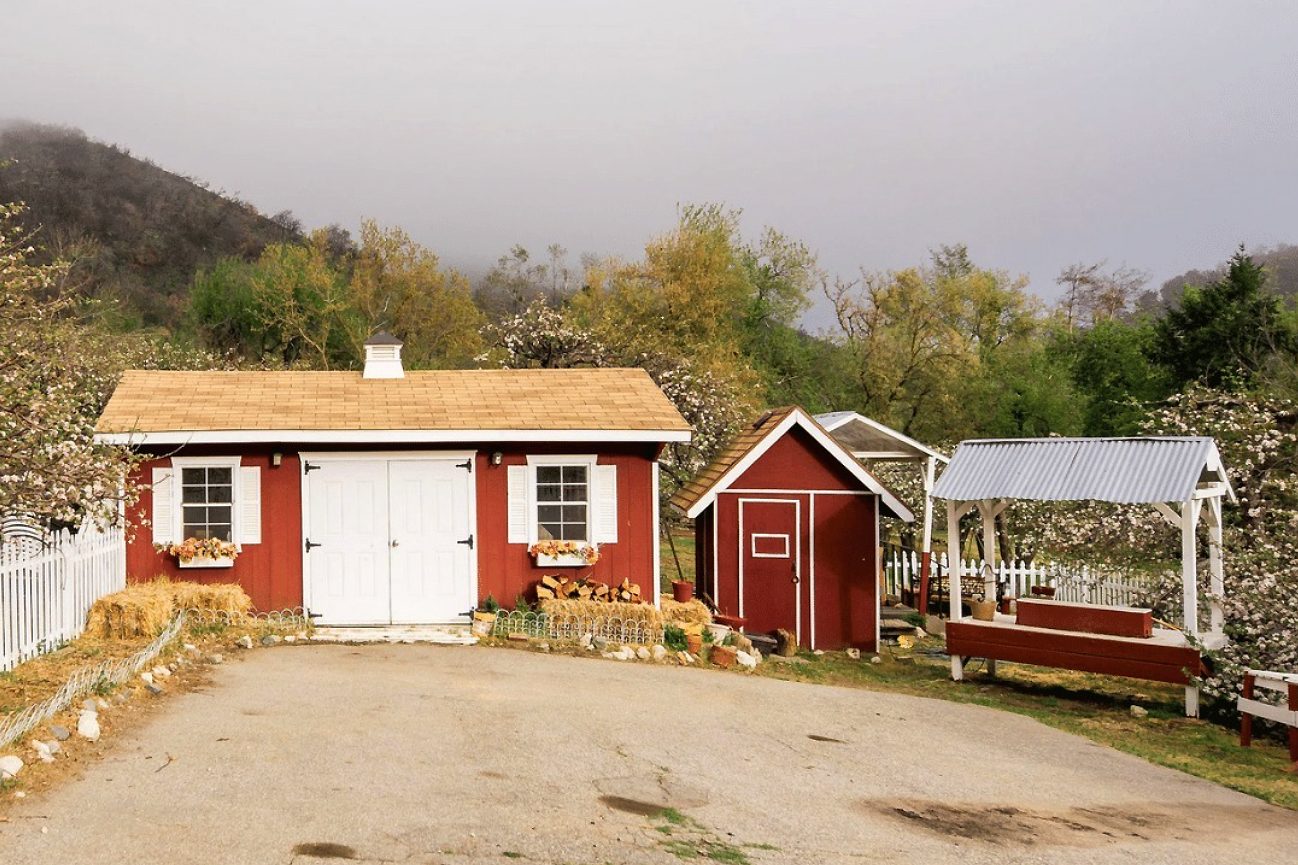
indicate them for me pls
(1158, 135)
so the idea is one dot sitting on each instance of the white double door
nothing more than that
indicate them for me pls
(388, 541)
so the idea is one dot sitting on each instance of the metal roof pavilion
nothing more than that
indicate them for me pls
(1133, 470)
(1181, 477)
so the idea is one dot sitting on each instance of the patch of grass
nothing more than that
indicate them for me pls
(684, 542)
(1093, 706)
(696, 841)
(511, 854)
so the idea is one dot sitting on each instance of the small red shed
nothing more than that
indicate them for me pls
(390, 496)
(786, 525)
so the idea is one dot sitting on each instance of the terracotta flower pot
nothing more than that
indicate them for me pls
(682, 591)
(983, 611)
(694, 642)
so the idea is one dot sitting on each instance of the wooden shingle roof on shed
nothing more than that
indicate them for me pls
(575, 404)
(752, 440)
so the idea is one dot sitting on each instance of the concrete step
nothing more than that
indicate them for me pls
(446, 635)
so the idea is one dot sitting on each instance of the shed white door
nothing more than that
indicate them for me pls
(431, 552)
(385, 540)
(347, 528)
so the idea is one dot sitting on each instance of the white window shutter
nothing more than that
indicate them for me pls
(164, 506)
(518, 507)
(249, 505)
(605, 528)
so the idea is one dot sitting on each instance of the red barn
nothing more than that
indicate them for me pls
(394, 497)
(787, 532)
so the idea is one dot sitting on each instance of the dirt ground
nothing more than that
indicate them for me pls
(429, 754)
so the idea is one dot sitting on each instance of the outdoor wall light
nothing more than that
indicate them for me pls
(276, 458)
(496, 458)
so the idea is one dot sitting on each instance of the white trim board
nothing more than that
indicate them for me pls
(379, 436)
(831, 446)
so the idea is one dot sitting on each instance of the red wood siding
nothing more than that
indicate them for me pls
(847, 602)
(505, 570)
(796, 462)
(270, 572)
(844, 553)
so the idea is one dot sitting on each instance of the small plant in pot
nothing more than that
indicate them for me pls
(484, 618)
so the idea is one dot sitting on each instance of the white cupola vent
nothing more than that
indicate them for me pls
(383, 357)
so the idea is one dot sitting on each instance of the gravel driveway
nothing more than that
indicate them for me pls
(428, 754)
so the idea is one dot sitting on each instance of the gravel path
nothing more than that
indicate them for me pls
(431, 754)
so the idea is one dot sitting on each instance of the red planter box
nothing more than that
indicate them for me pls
(1062, 616)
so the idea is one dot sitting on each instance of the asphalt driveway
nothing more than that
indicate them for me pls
(429, 754)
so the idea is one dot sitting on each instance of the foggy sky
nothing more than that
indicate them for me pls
(1158, 135)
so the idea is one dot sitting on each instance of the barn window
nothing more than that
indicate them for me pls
(563, 502)
(207, 502)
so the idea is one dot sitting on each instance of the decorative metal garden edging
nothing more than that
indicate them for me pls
(84, 681)
(574, 627)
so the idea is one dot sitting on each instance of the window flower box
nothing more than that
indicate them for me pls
(563, 554)
(206, 562)
(201, 552)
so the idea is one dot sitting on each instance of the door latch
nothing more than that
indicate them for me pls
(467, 542)
(309, 545)
(307, 468)
(467, 465)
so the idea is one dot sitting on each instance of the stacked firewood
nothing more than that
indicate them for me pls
(563, 588)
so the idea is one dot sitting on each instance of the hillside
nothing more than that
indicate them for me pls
(136, 231)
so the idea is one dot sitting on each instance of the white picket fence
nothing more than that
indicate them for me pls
(901, 570)
(47, 588)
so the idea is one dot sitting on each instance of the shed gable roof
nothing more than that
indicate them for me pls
(752, 441)
(866, 438)
(1131, 470)
(192, 405)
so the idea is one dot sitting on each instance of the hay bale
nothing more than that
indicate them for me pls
(145, 609)
(211, 597)
(561, 609)
(691, 612)
(141, 610)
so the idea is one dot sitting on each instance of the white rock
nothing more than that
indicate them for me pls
(217, 659)
(244, 642)
(544, 647)
(854, 654)
(20, 794)
(42, 751)
(1139, 712)
(147, 678)
(642, 653)
(54, 746)
(101, 703)
(659, 652)
(161, 672)
(88, 726)
(10, 766)
(746, 660)
(876, 660)
(190, 647)
(290, 639)
(586, 641)
(818, 652)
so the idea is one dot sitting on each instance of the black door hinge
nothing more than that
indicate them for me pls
(309, 545)
(467, 541)
(467, 465)
(307, 468)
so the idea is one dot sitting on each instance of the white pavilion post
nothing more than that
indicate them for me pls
(990, 561)
(926, 544)
(1190, 588)
(1216, 575)
(953, 577)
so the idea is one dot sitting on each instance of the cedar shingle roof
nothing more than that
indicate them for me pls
(528, 399)
(747, 439)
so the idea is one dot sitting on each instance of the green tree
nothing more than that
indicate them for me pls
(1111, 369)
(1226, 332)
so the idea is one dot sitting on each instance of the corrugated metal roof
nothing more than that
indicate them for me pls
(1125, 470)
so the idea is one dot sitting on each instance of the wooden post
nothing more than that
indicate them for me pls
(926, 547)
(1189, 569)
(953, 577)
(991, 559)
(1217, 584)
(1245, 719)
(1293, 731)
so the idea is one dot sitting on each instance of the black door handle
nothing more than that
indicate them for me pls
(467, 541)
(309, 545)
